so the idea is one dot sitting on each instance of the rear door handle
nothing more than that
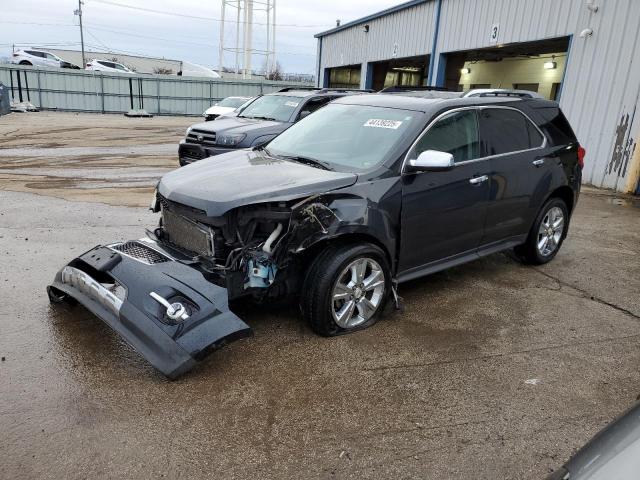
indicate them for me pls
(538, 162)
(478, 180)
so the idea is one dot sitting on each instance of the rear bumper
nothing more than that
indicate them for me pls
(192, 152)
(116, 286)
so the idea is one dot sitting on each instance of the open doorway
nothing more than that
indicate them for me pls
(411, 71)
(535, 66)
(344, 77)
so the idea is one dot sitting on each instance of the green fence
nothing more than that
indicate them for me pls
(99, 92)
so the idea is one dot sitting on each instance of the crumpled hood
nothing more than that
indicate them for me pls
(233, 125)
(221, 183)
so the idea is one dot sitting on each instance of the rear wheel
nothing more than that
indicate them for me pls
(25, 62)
(547, 234)
(345, 289)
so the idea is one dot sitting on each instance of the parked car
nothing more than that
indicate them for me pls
(107, 66)
(365, 193)
(189, 69)
(224, 106)
(256, 124)
(613, 453)
(37, 58)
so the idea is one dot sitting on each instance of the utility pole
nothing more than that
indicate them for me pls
(79, 13)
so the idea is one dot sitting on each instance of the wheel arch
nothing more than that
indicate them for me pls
(344, 238)
(564, 193)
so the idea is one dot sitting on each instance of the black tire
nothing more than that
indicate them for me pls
(529, 251)
(26, 62)
(316, 297)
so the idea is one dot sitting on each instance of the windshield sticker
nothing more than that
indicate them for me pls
(380, 123)
(292, 104)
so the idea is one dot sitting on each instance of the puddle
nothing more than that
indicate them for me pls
(625, 202)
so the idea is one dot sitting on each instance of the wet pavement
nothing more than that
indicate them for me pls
(494, 369)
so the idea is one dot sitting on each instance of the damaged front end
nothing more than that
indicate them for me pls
(251, 250)
(167, 295)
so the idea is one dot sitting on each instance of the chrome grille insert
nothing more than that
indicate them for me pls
(202, 137)
(140, 252)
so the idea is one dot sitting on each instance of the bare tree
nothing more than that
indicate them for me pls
(275, 73)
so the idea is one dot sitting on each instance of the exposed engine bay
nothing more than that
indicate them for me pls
(250, 250)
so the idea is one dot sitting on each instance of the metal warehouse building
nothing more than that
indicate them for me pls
(584, 54)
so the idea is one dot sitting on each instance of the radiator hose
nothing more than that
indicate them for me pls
(267, 245)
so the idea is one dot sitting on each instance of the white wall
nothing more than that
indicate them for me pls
(510, 71)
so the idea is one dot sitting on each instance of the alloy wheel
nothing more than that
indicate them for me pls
(357, 292)
(550, 231)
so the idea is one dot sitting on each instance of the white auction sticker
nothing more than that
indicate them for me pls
(380, 123)
(291, 104)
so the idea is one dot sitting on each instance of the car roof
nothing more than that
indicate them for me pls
(318, 92)
(429, 102)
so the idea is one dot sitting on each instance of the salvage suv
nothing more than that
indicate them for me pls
(257, 123)
(368, 192)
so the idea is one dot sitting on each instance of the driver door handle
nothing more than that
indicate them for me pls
(478, 180)
(538, 162)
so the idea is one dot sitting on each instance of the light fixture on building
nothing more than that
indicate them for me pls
(365, 28)
(551, 65)
(465, 71)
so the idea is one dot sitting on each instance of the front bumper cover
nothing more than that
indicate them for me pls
(116, 286)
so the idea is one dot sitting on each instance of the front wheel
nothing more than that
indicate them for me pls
(345, 289)
(547, 233)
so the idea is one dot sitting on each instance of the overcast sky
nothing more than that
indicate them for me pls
(109, 23)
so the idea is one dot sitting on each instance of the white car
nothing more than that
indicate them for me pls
(107, 66)
(224, 106)
(37, 58)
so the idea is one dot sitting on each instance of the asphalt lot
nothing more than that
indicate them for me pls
(494, 369)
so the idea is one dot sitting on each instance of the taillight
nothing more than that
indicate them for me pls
(16, 54)
(581, 153)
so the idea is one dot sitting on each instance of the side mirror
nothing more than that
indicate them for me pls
(304, 113)
(431, 160)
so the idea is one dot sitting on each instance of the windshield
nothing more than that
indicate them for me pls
(232, 102)
(274, 107)
(357, 137)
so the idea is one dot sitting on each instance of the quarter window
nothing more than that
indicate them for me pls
(455, 133)
(506, 131)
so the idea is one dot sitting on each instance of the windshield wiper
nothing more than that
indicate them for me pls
(258, 117)
(308, 161)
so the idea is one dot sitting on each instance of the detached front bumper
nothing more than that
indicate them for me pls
(116, 284)
(192, 152)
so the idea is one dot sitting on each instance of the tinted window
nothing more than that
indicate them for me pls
(313, 105)
(455, 133)
(35, 54)
(276, 107)
(505, 131)
(106, 64)
(554, 124)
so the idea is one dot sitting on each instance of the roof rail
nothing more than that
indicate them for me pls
(325, 89)
(502, 92)
(346, 90)
(413, 88)
(289, 89)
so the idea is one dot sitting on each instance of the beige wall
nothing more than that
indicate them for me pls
(506, 73)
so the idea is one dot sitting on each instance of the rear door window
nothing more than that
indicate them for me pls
(506, 131)
(455, 133)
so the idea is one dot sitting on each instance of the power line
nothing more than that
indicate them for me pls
(197, 17)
